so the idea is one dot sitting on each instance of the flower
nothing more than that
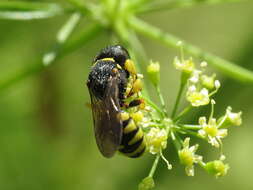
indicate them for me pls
(234, 118)
(156, 140)
(186, 66)
(208, 81)
(188, 157)
(153, 71)
(195, 76)
(217, 168)
(211, 131)
(197, 98)
(230, 119)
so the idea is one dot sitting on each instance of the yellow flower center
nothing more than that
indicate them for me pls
(186, 157)
(211, 130)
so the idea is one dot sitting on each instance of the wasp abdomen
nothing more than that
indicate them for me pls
(133, 142)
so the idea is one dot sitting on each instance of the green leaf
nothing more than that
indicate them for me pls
(21, 10)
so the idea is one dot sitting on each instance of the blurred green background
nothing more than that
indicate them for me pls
(46, 131)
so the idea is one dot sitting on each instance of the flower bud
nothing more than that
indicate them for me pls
(217, 168)
(154, 72)
(147, 183)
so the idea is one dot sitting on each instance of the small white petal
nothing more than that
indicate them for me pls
(222, 157)
(203, 64)
(204, 91)
(202, 133)
(179, 43)
(189, 170)
(202, 121)
(222, 133)
(217, 84)
(192, 88)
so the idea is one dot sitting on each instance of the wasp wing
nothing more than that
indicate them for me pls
(107, 124)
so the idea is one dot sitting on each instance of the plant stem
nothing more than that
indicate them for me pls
(89, 33)
(68, 28)
(154, 106)
(28, 6)
(179, 95)
(228, 68)
(61, 37)
(175, 140)
(182, 113)
(164, 6)
(154, 166)
(193, 127)
(161, 100)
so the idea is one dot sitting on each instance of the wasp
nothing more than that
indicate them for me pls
(114, 86)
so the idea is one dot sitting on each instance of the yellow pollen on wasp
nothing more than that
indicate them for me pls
(129, 65)
(137, 86)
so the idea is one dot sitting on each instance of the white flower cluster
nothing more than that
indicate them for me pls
(200, 86)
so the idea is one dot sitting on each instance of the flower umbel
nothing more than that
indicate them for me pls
(158, 127)
(188, 157)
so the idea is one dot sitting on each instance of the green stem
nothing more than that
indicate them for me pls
(179, 95)
(182, 113)
(176, 141)
(161, 100)
(154, 106)
(224, 66)
(191, 127)
(90, 33)
(81, 6)
(28, 6)
(61, 38)
(154, 166)
(193, 133)
(164, 6)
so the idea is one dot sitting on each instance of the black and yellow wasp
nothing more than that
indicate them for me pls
(112, 82)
